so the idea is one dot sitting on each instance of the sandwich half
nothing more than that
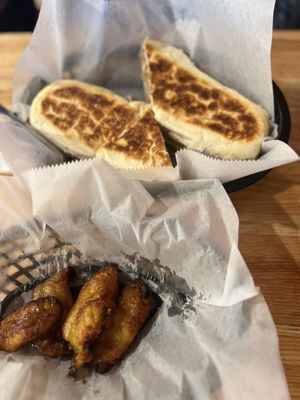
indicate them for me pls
(198, 111)
(86, 120)
(139, 145)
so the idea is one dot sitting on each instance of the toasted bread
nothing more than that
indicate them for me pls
(198, 111)
(141, 144)
(85, 120)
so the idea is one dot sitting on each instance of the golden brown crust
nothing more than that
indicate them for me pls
(182, 94)
(29, 322)
(87, 120)
(142, 141)
(52, 344)
(134, 306)
(92, 117)
(90, 313)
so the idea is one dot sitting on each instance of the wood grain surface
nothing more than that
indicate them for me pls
(269, 210)
(269, 213)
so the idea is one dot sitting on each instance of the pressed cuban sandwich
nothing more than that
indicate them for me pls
(198, 111)
(87, 121)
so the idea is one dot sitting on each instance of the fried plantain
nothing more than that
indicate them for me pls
(90, 313)
(134, 306)
(53, 344)
(29, 322)
(57, 286)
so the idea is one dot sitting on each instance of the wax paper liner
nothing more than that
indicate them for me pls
(214, 339)
(98, 42)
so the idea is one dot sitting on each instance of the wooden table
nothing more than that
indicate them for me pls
(269, 211)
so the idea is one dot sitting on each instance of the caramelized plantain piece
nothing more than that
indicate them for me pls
(134, 307)
(57, 286)
(90, 313)
(52, 344)
(29, 322)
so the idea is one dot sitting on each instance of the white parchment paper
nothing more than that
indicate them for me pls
(22, 149)
(221, 345)
(98, 42)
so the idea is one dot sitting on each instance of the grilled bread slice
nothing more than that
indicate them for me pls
(198, 111)
(140, 145)
(86, 120)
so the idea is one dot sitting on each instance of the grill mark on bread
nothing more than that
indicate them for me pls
(142, 146)
(215, 94)
(233, 105)
(200, 91)
(180, 93)
(184, 77)
(85, 124)
(212, 106)
(227, 120)
(161, 66)
(247, 118)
